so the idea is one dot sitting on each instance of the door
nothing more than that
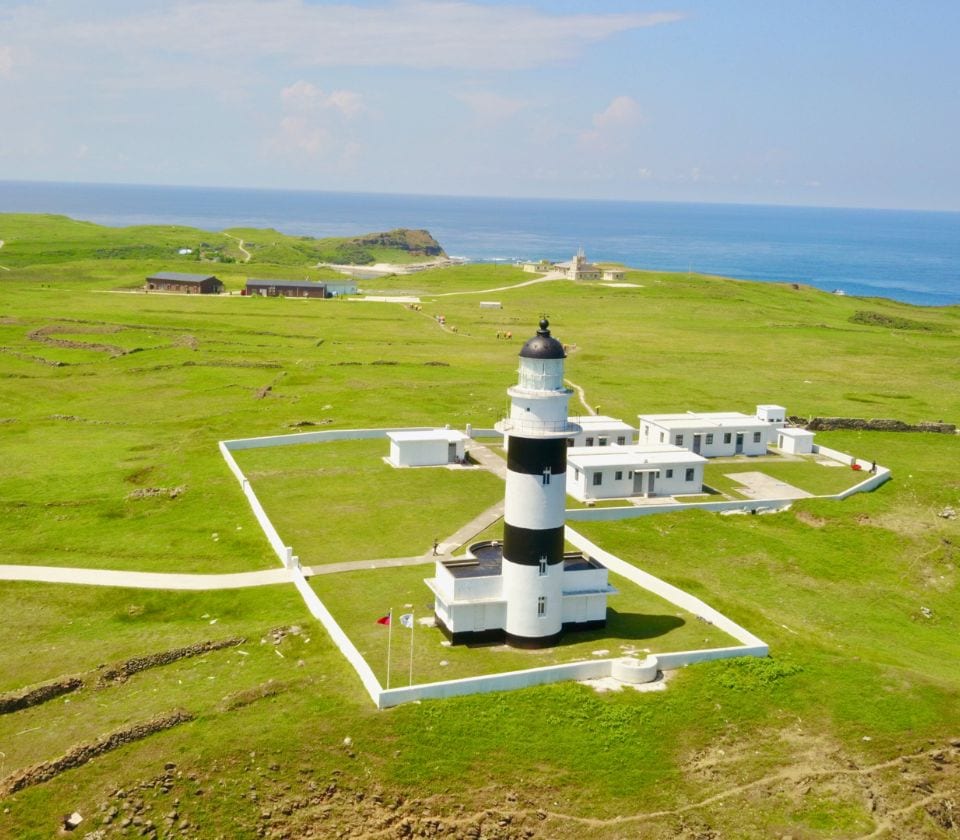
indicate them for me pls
(638, 483)
(696, 443)
(451, 453)
(739, 443)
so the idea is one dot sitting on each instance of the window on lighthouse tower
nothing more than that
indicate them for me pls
(543, 565)
(542, 606)
(546, 475)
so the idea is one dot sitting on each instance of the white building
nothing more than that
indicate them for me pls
(576, 268)
(795, 441)
(600, 430)
(715, 434)
(620, 472)
(527, 590)
(429, 448)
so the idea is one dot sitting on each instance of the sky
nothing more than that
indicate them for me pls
(851, 103)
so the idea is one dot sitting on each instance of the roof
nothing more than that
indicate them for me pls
(288, 284)
(543, 345)
(599, 422)
(445, 435)
(706, 420)
(638, 458)
(180, 277)
(796, 433)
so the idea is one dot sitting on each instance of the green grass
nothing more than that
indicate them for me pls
(339, 501)
(836, 589)
(806, 474)
(638, 622)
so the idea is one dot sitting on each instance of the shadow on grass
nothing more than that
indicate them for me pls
(625, 626)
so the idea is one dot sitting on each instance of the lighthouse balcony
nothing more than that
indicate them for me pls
(537, 428)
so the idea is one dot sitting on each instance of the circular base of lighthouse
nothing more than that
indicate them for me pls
(532, 642)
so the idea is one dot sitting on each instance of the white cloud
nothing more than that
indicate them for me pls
(612, 126)
(298, 136)
(6, 62)
(407, 33)
(307, 97)
(490, 107)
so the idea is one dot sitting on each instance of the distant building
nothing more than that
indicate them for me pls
(187, 284)
(716, 433)
(576, 268)
(287, 288)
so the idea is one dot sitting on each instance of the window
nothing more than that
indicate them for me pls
(543, 565)
(757, 436)
(589, 441)
(576, 474)
(597, 479)
(602, 441)
(621, 440)
(669, 473)
(646, 431)
(709, 438)
(689, 473)
(727, 437)
(546, 475)
(661, 437)
(630, 474)
(618, 475)
(542, 606)
(678, 440)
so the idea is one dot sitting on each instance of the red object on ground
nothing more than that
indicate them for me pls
(855, 467)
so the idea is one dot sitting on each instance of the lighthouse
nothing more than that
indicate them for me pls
(526, 590)
(537, 431)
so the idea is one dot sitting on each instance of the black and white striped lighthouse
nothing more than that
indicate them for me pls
(537, 432)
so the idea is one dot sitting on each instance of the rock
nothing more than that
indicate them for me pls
(72, 821)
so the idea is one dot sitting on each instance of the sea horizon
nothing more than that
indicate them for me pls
(904, 254)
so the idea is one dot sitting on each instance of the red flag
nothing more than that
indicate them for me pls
(384, 620)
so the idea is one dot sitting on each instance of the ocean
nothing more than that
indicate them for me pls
(911, 256)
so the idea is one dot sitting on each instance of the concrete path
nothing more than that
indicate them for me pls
(488, 460)
(758, 485)
(552, 275)
(143, 580)
(361, 565)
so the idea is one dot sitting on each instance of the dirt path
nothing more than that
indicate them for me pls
(553, 275)
(3, 266)
(240, 247)
(582, 397)
(142, 580)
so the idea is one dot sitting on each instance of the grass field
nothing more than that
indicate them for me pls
(112, 407)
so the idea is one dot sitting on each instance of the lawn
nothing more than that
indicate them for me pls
(639, 622)
(806, 474)
(339, 501)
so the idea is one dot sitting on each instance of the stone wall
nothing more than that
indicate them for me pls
(831, 424)
(82, 753)
(120, 673)
(14, 701)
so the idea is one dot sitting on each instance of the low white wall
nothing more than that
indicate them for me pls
(668, 592)
(316, 437)
(587, 670)
(340, 639)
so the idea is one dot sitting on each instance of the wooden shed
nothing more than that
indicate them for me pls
(187, 284)
(287, 288)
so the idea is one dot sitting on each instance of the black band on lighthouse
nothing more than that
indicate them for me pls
(531, 456)
(525, 546)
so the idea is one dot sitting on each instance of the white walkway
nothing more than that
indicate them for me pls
(143, 580)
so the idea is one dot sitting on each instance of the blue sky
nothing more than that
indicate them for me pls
(850, 103)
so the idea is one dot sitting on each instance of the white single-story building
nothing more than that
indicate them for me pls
(600, 430)
(470, 605)
(619, 472)
(717, 433)
(429, 448)
(795, 441)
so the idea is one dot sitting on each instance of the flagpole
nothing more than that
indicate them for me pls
(412, 625)
(389, 636)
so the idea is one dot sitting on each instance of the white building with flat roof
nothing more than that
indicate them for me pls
(620, 472)
(716, 433)
(426, 448)
(795, 441)
(600, 430)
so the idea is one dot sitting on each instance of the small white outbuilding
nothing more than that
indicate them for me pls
(795, 441)
(426, 448)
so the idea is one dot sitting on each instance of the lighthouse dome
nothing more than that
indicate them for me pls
(543, 345)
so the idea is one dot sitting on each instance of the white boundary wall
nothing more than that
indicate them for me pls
(587, 669)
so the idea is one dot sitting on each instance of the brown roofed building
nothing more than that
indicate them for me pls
(187, 284)
(287, 288)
